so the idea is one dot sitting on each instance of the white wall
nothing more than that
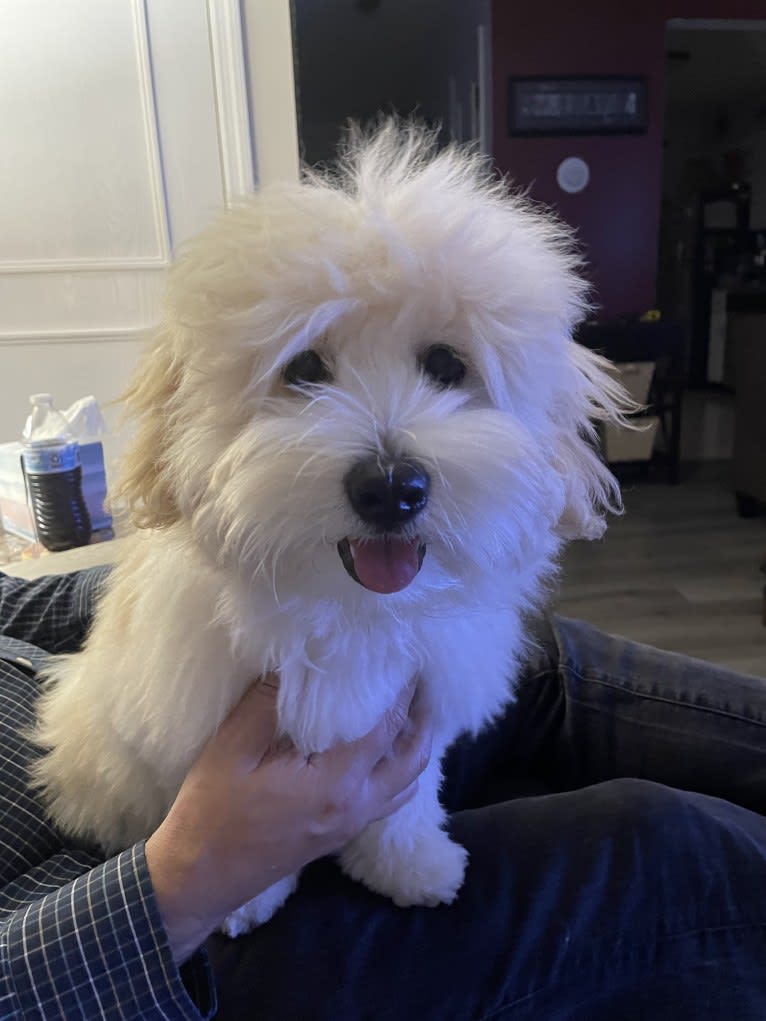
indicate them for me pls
(127, 126)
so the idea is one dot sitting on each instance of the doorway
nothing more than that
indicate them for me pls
(712, 259)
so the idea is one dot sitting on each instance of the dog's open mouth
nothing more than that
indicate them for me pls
(382, 565)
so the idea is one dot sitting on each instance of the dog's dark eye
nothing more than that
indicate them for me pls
(306, 367)
(443, 365)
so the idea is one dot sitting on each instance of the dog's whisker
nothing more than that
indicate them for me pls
(274, 581)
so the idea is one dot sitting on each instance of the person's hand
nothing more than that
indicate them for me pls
(253, 810)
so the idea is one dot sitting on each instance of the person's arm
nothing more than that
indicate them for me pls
(252, 811)
(94, 947)
(80, 941)
(79, 938)
(53, 612)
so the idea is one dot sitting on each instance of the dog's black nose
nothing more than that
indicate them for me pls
(387, 494)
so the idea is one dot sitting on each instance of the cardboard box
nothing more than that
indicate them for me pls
(15, 513)
(634, 444)
(636, 377)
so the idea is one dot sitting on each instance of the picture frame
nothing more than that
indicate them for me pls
(577, 105)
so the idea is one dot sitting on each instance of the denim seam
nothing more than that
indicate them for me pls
(683, 703)
(565, 661)
(670, 937)
(541, 674)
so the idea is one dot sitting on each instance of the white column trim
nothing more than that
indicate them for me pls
(89, 336)
(271, 87)
(227, 53)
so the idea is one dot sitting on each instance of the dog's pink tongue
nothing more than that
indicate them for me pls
(385, 565)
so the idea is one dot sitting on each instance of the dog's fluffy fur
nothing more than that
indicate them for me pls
(238, 478)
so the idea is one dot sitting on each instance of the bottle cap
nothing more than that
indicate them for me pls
(41, 399)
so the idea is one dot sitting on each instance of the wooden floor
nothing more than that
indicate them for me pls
(680, 570)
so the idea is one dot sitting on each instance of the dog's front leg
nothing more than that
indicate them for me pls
(260, 908)
(408, 856)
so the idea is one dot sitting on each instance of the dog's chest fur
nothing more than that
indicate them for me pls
(343, 660)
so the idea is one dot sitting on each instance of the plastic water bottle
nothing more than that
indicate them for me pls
(51, 461)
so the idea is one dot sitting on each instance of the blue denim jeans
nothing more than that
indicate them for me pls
(615, 823)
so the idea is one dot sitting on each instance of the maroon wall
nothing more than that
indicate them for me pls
(617, 215)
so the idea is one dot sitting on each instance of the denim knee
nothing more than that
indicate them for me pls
(699, 860)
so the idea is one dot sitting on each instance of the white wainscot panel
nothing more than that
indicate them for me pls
(68, 370)
(80, 167)
(30, 304)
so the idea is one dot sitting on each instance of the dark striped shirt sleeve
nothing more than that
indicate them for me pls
(94, 948)
(80, 939)
(53, 612)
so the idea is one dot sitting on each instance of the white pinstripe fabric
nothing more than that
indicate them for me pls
(80, 938)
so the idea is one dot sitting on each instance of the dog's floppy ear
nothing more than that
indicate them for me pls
(142, 482)
(592, 395)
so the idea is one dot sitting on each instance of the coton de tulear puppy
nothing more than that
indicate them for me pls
(365, 432)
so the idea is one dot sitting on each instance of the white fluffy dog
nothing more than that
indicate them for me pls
(365, 432)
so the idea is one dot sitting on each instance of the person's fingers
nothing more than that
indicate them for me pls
(356, 760)
(413, 740)
(416, 721)
(251, 730)
(250, 727)
(353, 762)
(378, 742)
(413, 747)
(407, 696)
(398, 801)
(409, 755)
(268, 684)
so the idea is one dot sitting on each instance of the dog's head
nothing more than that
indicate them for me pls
(366, 370)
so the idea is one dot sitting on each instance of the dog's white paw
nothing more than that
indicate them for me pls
(427, 871)
(260, 909)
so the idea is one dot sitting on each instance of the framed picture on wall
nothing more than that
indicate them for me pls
(594, 105)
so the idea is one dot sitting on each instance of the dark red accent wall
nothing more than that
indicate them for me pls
(617, 215)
